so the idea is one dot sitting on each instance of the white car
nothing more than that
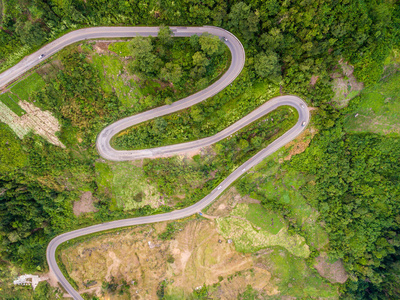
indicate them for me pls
(41, 56)
(303, 124)
(302, 105)
(219, 187)
(225, 39)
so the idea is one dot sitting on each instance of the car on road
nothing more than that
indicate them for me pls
(225, 39)
(41, 56)
(219, 187)
(302, 106)
(303, 124)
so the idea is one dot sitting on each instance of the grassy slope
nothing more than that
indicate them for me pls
(274, 184)
(24, 88)
(12, 102)
(260, 93)
(378, 108)
(22, 91)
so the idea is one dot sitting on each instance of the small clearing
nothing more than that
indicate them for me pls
(345, 85)
(301, 142)
(334, 272)
(223, 206)
(378, 109)
(40, 122)
(84, 205)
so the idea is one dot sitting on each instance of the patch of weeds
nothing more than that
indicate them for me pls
(264, 219)
(293, 277)
(249, 239)
(130, 187)
(377, 109)
(12, 103)
(25, 87)
(120, 48)
(171, 230)
(279, 191)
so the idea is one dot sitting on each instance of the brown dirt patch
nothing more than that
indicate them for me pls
(49, 71)
(101, 47)
(192, 153)
(84, 205)
(314, 80)
(335, 272)
(195, 257)
(41, 122)
(224, 204)
(301, 143)
(50, 278)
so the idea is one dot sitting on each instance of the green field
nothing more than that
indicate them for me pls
(126, 185)
(12, 103)
(264, 219)
(30, 84)
(279, 191)
(378, 108)
(294, 278)
(251, 231)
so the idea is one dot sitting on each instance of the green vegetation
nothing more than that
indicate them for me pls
(356, 190)
(12, 103)
(294, 278)
(199, 121)
(12, 155)
(250, 238)
(377, 108)
(180, 68)
(24, 88)
(279, 190)
(193, 179)
(346, 181)
(264, 219)
(22, 91)
(350, 184)
(126, 185)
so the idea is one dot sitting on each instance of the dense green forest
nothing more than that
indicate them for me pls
(356, 176)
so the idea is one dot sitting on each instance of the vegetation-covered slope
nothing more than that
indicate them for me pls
(294, 45)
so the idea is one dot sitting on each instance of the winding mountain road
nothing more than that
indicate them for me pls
(103, 140)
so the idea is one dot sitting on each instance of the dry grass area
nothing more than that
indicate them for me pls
(197, 255)
(40, 122)
(345, 85)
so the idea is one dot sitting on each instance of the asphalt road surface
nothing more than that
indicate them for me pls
(103, 140)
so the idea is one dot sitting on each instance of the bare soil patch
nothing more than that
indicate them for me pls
(84, 205)
(314, 80)
(301, 143)
(223, 206)
(335, 272)
(197, 254)
(101, 47)
(345, 85)
(40, 122)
